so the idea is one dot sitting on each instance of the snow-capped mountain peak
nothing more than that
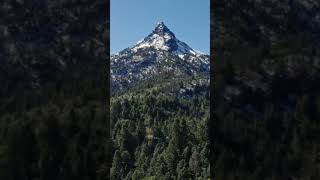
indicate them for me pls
(158, 54)
(161, 29)
(162, 38)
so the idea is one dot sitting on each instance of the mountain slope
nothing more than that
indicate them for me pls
(160, 109)
(158, 54)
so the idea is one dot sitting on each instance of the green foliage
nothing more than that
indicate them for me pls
(270, 130)
(166, 135)
(57, 131)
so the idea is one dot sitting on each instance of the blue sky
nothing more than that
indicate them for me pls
(132, 20)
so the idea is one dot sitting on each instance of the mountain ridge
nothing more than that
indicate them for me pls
(159, 54)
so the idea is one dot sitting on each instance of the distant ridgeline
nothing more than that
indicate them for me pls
(160, 109)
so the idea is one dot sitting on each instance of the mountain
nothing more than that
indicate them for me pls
(161, 53)
(160, 109)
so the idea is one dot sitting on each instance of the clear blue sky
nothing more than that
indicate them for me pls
(132, 20)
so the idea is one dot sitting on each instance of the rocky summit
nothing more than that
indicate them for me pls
(159, 54)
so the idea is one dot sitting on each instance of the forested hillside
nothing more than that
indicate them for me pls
(161, 135)
(53, 96)
(265, 122)
(60, 134)
(160, 109)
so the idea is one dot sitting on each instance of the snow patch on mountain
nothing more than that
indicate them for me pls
(160, 53)
(163, 39)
